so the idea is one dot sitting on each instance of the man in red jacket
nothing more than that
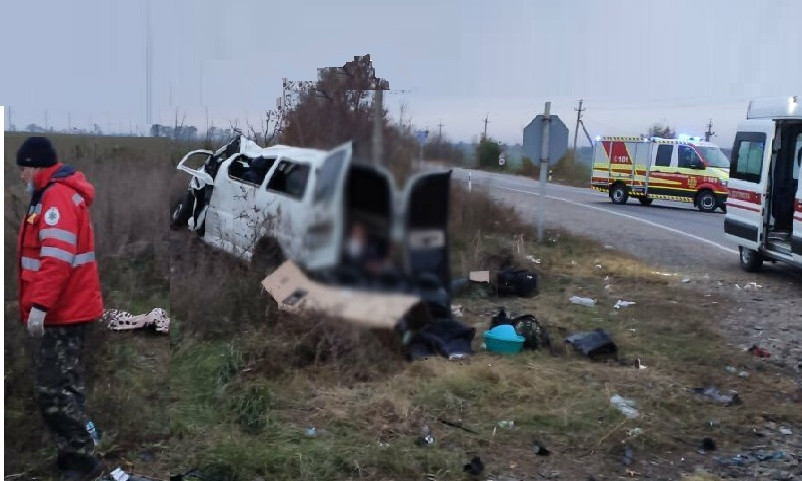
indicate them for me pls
(59, 296)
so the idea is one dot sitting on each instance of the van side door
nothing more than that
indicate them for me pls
(748, 184)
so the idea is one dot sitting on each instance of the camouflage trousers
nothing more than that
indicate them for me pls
(59, 390)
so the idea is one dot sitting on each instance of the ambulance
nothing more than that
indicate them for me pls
(764, 208)
(686, 170)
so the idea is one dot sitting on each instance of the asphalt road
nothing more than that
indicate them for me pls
(675, 218)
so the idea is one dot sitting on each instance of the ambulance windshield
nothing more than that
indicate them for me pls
(714, 157)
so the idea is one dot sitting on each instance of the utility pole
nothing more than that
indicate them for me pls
(484, 137)
(578, 121)
(69, 123)
(440, 131)
(709, 132)
(378, 141)
(45, 120)
(10, 121)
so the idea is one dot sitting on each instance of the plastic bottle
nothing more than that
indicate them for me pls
(92, 430)
(583, 301)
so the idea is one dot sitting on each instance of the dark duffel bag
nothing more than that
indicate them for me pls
(520, 283)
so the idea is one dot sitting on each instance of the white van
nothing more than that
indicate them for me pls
(282, 202)
(764, 208)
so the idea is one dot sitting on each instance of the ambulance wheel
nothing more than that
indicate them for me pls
(706, 201)
(619, 194)
(267, 256)
(645, 201)
(751, 261)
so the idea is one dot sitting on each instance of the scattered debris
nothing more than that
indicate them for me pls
(583, 301)
(505, 424)
(456, 310)
(444, 337)
(479, 276)
(532, 258)
(503, 339)
(758, 352)
(634, 432)
(521, 283)
(456, 425)
(785, 431)
(540, 450)
(713, 393)
(475, 466)
(730, 369)
(426, 438)
(594, 344)
(686, 280)
(619, 304)
(708, 444)
(737, 460)
(626, 406)
(627, 458)
(767, 456)
(311, 431)
(119, 320)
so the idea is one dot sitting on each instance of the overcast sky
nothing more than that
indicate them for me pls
(633, 62)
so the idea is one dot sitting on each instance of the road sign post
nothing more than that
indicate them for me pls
(544, 165)
(545, 138)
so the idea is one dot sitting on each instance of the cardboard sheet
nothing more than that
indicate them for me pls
(296, 293)
(479, 276)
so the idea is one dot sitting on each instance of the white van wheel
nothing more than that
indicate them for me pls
(706, 201)
(619, 194)
(751, 261)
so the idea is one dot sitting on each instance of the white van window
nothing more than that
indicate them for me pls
(664, 155)
(747, 162)
(289, 178)
(798, 158)
(327, 175)
(250, 170)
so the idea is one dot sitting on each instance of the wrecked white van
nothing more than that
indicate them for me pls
(269, 204)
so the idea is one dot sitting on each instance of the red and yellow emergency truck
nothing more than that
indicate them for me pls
(684, 170)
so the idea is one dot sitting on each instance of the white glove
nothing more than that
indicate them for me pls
(36, 322)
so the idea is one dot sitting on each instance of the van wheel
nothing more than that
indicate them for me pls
(751, 261)
(267, 256)
(181, 213)
(645, 200)
(619, 194)
(706, 201)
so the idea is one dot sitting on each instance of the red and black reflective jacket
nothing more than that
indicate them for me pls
(56, 250)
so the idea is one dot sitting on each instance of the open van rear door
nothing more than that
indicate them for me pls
(324, 237)
(425, 227)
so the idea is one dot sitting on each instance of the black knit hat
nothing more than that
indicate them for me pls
(36, 152)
